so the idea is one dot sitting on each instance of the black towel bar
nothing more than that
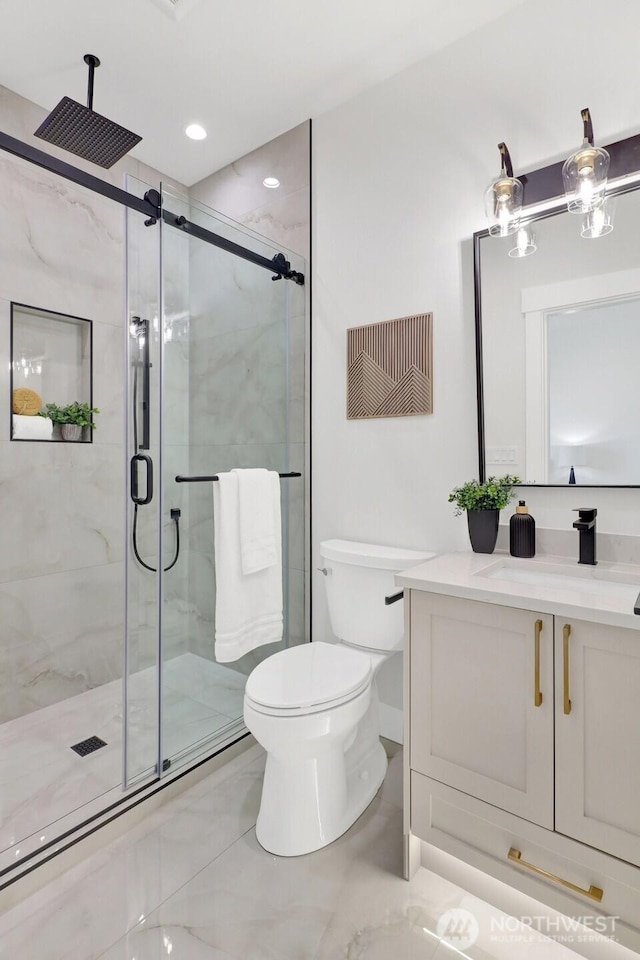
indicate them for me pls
(213, 478)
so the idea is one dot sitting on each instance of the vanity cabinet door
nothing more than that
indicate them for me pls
(479, 721)
(598, 736)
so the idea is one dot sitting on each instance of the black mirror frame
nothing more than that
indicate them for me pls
(545, 184)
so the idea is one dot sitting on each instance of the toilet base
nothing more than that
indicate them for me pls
(309, 802)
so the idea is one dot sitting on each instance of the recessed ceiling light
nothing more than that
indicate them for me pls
(195, 132)
(271, 182)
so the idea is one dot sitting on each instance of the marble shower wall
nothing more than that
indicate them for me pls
(61, 550)
(246, 407)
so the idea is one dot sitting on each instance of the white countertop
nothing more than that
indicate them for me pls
(465, 575)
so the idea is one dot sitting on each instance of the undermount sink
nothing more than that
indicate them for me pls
(590, 580)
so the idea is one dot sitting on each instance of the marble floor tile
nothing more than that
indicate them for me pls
(43, 780)
(192, 883)
(84, 912)
(345, 902)
(204, 680)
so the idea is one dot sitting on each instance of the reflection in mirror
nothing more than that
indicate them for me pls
(560, 347)
(592, 379)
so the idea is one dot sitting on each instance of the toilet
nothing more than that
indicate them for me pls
(314, 707)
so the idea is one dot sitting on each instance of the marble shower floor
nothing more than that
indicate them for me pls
(192, 883)
(42, 780)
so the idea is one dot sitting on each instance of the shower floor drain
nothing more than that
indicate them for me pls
(88, 746)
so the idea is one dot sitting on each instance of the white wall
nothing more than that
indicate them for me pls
(398, 178)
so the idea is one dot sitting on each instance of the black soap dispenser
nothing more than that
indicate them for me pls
(522, 532)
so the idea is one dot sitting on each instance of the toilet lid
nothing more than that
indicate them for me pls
(308, 675)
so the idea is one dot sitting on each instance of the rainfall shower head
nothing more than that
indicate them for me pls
(82, 131)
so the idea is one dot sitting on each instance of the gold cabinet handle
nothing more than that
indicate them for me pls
(593, 893)
(566, 633)
(537, 692)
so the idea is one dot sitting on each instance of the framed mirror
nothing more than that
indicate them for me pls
(558, 347)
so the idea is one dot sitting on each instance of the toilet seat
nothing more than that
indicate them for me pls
(307, 679)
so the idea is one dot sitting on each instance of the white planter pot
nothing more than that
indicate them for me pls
(71, 431)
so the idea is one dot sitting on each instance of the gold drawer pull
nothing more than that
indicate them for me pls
(566, 633)
(594, 893)
(537, 692)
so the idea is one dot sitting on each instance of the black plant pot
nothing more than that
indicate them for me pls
(483, 529)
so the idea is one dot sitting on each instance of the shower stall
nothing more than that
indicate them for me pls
(108, 676)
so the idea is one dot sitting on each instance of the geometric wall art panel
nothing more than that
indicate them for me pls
(390, 368)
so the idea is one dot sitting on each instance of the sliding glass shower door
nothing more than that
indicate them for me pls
(227, 402)
(224, 382)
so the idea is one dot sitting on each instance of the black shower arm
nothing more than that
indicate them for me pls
(92, 62)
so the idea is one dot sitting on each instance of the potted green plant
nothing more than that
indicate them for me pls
(72, 418)
(483, 503)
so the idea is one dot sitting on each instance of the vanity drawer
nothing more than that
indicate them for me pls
(482, 835)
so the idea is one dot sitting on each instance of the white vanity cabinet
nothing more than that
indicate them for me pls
(523, 750)
(598, 736)
(482, 701)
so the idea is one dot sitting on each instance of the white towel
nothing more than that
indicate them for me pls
(248, 606)
(31, 428)
(260, 525)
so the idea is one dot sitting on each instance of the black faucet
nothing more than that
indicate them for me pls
(586, 524)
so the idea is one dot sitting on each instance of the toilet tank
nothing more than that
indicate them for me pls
(359, 577)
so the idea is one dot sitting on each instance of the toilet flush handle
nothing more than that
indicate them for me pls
(323, 571)
(394, 597)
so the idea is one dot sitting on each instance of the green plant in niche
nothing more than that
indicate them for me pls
(79, 413)
(494, 494)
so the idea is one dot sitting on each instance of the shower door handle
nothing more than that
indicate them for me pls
(148, 462)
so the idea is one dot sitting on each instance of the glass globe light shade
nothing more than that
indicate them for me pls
(585, 178)
(503, 205)
(598, 222)
(525, 243)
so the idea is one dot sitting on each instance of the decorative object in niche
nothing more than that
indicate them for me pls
(483, 503)
(72, 419)
(390, 368)
(51, 359)
(26, 402)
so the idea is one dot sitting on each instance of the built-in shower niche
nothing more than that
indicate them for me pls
(51, 363)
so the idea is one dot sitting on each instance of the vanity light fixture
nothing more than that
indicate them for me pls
(585, 172)
(503, 198)
(525, 242)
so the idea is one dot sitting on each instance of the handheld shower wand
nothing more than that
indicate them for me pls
(139, 330)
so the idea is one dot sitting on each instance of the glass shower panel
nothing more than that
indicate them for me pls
(227, 402)
(142, 692)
